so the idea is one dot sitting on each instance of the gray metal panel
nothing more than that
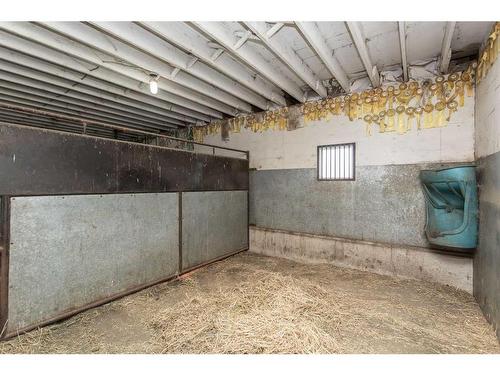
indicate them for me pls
(44, 162)
(384, 204)
(68, 251)
(214, 224)
(487, 258)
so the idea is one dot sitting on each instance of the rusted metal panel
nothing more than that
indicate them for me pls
(45, 162)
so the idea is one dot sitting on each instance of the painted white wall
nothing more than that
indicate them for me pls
(488, 113)
(297, 148)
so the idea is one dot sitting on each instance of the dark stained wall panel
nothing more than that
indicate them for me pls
(43, 162)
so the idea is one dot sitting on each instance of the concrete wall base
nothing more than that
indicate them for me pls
(394, 260)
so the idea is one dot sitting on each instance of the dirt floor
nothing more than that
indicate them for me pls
(255, 304)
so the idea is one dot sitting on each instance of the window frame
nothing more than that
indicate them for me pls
(353, 161)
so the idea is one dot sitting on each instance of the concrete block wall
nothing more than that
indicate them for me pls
(487, 148)
(384, 205)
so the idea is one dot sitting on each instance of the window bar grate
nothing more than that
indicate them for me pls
(336, 162)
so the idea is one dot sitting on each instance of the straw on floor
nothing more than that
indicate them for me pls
(254, 304)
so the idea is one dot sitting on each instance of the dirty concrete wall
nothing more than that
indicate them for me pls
(397, 260)
(214, 224)
(384, 204)
(68, 251)
(487, 258)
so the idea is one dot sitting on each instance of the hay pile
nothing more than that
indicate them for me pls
(255, 304)
(273, 312)
(270, 314)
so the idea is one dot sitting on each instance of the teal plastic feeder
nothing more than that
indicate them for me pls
(452, 207)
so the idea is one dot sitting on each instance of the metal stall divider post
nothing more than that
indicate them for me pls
(4, 260)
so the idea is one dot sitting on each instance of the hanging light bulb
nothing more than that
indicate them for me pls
(153, 83)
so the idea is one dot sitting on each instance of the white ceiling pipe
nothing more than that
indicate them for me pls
(180, 34)
(27, 85)
(313, 36)
(288, 56)
(31, 99)
(142, 39)
(359, 41)
(56, 49)
(29, 66)
(402, 44)
(131, 56)
(62, 87)
(445, 58)
(222, 35)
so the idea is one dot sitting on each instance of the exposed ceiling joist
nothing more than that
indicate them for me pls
(144, 40)
(194, 43)
(207, 70)
(172, 97)
(22, 119)
(30, 67)
(217, 53)
(360, 43)
(312, 34)
(80, 91)
(274, 29)
(445, 58)
(28, 85)
(49, 123)
(243, 39)
(34, 101)
(123, 58)
(402, 44)
(118, 131)
(288, 56)
(50, 100)
(223, 36)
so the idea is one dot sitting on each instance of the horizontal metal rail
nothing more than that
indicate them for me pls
(84, 122)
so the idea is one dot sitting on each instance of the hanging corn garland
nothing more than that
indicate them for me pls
(490, 53)
(398, 109)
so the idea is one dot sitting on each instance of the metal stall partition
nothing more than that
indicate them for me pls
(85, 220)
(224, 229)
